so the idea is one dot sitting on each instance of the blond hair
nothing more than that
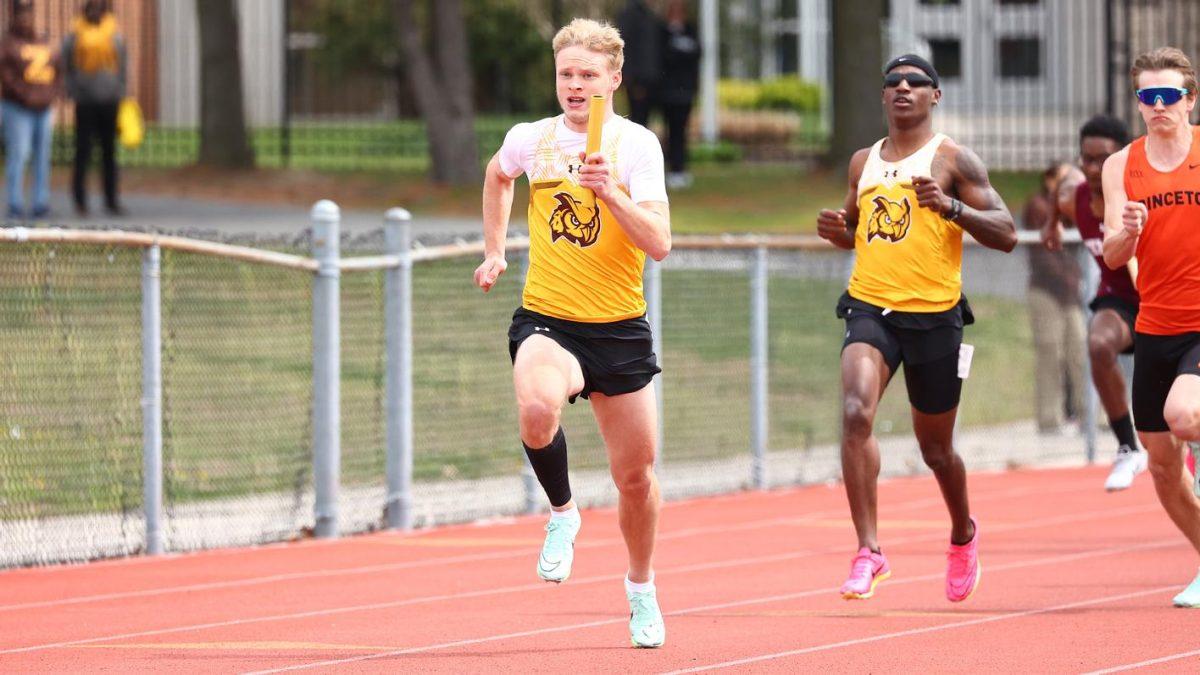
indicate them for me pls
(593, 36)
(1165, 58)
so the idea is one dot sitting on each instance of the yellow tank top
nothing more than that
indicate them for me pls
(583, 267)
(907, 258)
(95, 47)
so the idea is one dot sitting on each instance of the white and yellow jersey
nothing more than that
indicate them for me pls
(907, 258)
(583, 267)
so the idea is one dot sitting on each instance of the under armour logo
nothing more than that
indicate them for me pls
(536, 328)
(894, 173)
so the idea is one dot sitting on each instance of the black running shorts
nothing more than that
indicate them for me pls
(616, 357)
(1157, 361)
(928, 344)
(1125, 309)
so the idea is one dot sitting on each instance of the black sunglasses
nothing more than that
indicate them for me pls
(914, 80)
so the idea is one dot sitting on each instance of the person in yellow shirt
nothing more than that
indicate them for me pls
(94, 59)
(911, 196)
(581, 328)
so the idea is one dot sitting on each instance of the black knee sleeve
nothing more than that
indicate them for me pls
(550, 466)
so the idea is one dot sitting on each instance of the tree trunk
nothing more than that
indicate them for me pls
(441, 83)
(223, 141)
(857, 66)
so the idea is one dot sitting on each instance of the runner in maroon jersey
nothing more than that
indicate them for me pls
(1115, 306)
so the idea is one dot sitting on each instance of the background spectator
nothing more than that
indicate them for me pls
(642, 31)
(1055, 312)
(95, 63)
(29, 77)
(681, 81)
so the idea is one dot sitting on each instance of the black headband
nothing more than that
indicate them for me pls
(916, 62)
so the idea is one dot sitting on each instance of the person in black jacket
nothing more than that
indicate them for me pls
(641, 30)
(681, 81)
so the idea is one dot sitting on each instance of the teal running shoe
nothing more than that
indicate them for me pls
(646, 627)
(558, 552)
(1190, 597)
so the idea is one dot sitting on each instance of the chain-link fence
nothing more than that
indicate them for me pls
(244, 418)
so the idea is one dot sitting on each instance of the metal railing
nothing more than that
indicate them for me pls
(713, 283)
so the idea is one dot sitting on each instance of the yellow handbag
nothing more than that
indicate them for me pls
(130, 126)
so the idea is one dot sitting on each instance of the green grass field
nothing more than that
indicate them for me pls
(734, 198)
(237, 345)
(329, 146)
(237, 376)
(377, 165)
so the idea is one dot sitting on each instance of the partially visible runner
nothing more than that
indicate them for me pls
(911, 197)
(1151, 210)
(1115, 306)
(581, 329)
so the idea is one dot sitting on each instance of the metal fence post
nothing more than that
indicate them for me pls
(758, 369)
(326, 218)
(653, 290)
(529, 481)
(709, 70)
(1091, 401)
(397, 236)
(152, 478)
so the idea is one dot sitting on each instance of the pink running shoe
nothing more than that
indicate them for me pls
(866, 571)
(962, 568)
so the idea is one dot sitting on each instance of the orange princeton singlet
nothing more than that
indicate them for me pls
(1168, 250)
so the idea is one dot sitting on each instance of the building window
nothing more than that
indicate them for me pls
(1019, 57)
(947, 56)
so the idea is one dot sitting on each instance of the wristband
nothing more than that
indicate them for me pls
(956, 209)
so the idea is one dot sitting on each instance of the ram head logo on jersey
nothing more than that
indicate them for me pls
(889, 220)
(570, 220)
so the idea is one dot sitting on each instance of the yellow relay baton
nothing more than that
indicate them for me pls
(595, 128)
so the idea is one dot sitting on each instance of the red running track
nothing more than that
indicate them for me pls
(1074, 580)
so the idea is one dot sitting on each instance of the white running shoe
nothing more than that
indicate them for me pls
(646, 629)
(558, 552)
(1128, 464)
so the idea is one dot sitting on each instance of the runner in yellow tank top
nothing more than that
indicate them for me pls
(581, 329)
(911, 196)
(585, 267)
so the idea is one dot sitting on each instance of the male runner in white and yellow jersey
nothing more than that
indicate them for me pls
(581, 328)
(911, 196)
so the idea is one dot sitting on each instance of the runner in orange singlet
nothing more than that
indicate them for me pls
(1152, 211)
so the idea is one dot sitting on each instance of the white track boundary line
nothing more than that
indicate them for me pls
(1144, 664)
(927, 629)
(475, 557)
(1174, 541)
(735, 562)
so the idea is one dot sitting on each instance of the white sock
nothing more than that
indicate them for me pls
(570, 514)
(647, 587)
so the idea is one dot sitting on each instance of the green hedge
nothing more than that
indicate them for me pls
(780, 93)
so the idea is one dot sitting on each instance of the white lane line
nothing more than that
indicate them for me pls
(1150, 662)
(1174, 541)
(921, 631)
(734, 562)
(476, 557)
